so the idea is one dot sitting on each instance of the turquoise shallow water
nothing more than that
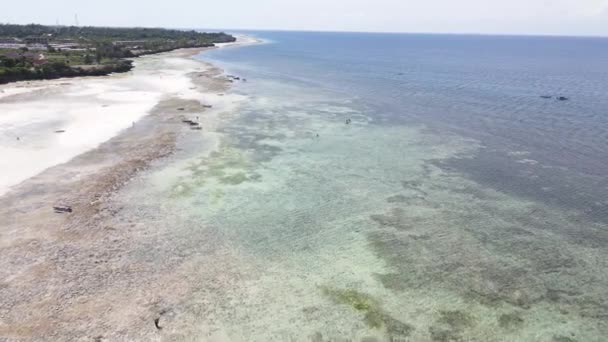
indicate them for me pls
(484, 87)
(302, 227)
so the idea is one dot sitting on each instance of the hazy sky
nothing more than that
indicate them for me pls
(561, 17)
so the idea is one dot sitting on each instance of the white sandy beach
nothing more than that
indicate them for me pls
(45, 123)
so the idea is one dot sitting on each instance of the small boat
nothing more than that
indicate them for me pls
(60, 209)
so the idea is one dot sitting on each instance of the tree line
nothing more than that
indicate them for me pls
(103, 47)
(111, 33)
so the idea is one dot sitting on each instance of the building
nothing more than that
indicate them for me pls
(130, 43)
(13, 55)
(66, 44)
(37, 40)
(36, 58)
(40, 62)
(9, 40)
(11, 43)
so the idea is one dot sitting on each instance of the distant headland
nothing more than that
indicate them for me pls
(37, 52)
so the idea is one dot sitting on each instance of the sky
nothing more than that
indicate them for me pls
(545, 17)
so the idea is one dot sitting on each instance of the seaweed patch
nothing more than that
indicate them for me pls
(510, 321)
(374, 315)
(450, 325)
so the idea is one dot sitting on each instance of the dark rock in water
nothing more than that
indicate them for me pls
(164, 312)
(62, 209)
(348, 121)
(156, 323)
(559, 98)
(190, 122)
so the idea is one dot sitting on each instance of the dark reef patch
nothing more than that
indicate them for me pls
(395, 219)
(423, 237)
(560, 179)
(450, 325)
(485, 256)
(397, 199)
(510, 321)
(455, 319)
(374, 315)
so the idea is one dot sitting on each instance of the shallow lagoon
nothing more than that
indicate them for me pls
(301, 227)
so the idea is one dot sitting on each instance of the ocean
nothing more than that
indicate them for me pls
(400, 187)
(485, 87)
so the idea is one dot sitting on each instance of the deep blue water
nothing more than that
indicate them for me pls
(485, 87)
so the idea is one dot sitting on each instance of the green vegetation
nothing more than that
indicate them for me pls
(510, 321)
(226, 167)
(111, 33)
(46, 52)
(25, 68)
(375, 316)
(450, 326)
(234, 179)
(359, 301)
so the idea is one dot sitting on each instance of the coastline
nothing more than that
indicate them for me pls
(39, 52)
(38, 245)
(45, 123)
(303, 212)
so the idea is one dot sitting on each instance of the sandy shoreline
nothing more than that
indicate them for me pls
(48, 263)
(45, 123)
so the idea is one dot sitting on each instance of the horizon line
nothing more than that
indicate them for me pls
(464, 33)
(226, 29)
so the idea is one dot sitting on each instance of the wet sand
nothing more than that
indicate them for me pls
(70, 276)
